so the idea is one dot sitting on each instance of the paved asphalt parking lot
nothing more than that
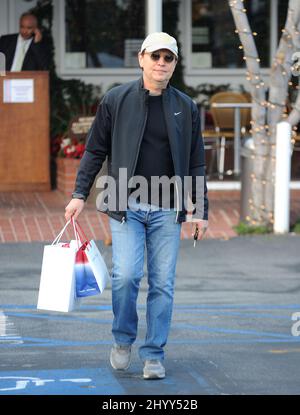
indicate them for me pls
(233, 331)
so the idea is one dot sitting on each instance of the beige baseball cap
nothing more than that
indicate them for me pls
(160, 40)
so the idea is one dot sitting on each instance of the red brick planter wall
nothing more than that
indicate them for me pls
(66, 174)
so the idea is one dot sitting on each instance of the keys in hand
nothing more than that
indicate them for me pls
(196, 233)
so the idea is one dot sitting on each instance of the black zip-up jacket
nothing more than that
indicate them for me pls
(36, 58)
(118, 130)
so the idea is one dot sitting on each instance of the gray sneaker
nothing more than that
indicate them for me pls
(120, 357)
(153, 369)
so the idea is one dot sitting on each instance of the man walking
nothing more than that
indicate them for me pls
(152, 130)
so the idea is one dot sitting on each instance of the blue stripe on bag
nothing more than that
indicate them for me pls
(86, 284)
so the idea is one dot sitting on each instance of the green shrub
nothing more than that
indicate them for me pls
(296, 227)
(246, 229)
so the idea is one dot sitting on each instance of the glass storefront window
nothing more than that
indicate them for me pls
(214, 41)
(103, 33)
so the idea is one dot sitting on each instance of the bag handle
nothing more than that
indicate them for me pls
(77, 236)
(58, 237)
(81, 233)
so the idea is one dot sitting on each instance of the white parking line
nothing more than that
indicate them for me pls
(8, 332)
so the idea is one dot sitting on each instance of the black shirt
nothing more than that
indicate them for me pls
(155, 158)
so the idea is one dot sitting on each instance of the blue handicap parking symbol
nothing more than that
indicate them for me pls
(59, 382)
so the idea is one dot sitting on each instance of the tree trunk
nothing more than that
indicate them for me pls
(258, 112)
(267, 113)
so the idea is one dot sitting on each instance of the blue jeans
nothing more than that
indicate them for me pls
(155, 228)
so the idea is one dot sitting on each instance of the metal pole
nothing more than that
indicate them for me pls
(282, 178)
(202, 117)
(237, 140)
(154, 16)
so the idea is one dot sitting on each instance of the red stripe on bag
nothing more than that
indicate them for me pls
(81, 233)
(81, 257)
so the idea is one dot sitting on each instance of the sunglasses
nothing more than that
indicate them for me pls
(155, 56)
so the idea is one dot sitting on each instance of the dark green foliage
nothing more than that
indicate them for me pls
(296, 227)
(246, 229)
(206, 90)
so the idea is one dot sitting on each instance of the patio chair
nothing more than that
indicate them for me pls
(296, 143)
(223, 119)
(211, 139)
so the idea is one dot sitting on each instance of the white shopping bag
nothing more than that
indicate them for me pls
(96, 261)
(97, 264)
(57, 282)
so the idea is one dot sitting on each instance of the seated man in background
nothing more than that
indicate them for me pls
(27, 50)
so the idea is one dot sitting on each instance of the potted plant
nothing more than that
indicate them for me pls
(67, 163)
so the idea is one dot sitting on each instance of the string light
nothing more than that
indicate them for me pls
(245, 32)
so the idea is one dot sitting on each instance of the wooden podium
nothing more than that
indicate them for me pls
(24, 131)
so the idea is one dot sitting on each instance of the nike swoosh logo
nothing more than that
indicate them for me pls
(177, 113)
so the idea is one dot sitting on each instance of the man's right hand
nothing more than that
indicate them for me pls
(74, 208)
(37, 35)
